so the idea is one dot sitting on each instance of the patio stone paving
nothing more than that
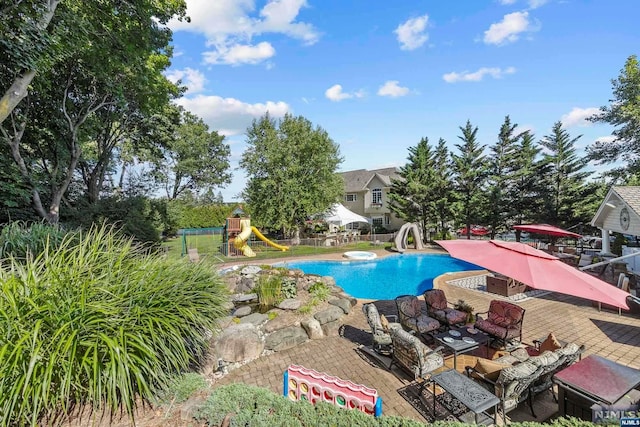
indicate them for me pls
(571, 319)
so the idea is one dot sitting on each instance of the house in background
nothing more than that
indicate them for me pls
(367, 193)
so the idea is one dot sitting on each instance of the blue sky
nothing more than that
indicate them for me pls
(378, 76)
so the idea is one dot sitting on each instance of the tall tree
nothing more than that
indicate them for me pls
(412, 196)
(443, 189)
(565, 177)
(291, 168)
(624, 114)
(470, 173)
(500, 177)
(195, 159)
(94, 73)
(524, 195)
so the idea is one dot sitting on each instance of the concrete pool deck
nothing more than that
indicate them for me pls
(571, 319)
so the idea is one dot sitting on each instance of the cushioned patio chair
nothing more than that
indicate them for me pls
(503, 322)
(412, 316)
(438, 308)
(512, 385)
(380, 330)
(414, 356)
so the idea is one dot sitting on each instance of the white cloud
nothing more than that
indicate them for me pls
(230, 26)
(578, 117)
(411, 34)
(606, 139)
(335, 93)
(230, 116)
(507, 2)
(477, 76)
(509, 29)
(524, 128)
(393, 89)
(240, 54)
(534, 4)
(194, 80)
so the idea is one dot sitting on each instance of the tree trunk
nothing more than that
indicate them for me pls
(296, 236)
(20, 86)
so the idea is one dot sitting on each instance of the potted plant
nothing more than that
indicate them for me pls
(463, 306)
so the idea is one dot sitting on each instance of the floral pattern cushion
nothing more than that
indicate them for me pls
(498, 331)
(422, 324)
(435, 299)
(414, 355)
(547, 358)
(505, 314)
(510, 378)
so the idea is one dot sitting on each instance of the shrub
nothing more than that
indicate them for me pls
(269, 290)
(320, 291)
(182, 387)
(100, 322)
(18, 239)
(289, 287)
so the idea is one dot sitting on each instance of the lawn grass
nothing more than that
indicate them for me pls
(209, 248)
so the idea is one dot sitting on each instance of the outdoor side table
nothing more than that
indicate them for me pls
(469, 393)
(593, 380)
(458, 345)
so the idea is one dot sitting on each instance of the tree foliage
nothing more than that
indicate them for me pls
(624, 114)
(412, 196)
(470, 172)
(291, 168)
(443, 190)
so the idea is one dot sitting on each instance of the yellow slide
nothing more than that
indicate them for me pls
(267, 241)
(240, 242)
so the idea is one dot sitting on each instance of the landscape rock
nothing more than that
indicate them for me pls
(328, 280)
(244, 298)
(332, 329)
(256, 319)
(242, 311)
(239, 342)
(250, 270)
(280, 322)
(329, 315)
(343, 303)
(290, 304)
(313, 328)
(245, 284)
(285, 338)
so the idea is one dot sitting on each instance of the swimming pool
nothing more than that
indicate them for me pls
(388, 277)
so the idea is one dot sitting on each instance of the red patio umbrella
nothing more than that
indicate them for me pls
(535, 268)
(546, 229)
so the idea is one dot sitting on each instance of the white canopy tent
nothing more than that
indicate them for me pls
(341, 216)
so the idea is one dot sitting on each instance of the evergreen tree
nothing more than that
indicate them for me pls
(624, 115)
(564, 178)
(470, 174)
(524, 195)
(444, 194)
(411, 196)
(500, 178)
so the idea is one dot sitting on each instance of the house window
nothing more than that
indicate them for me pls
(387, 220)
(350, 198)
(376, 196)
(377, 221)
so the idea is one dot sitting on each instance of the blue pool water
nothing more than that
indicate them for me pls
(388, 277)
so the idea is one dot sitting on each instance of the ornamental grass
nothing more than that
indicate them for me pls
(99, 321)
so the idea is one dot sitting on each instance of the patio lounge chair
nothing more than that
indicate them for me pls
(380, 332)
(438, 308)
(412, 317)
(414, 356)
(503, 322)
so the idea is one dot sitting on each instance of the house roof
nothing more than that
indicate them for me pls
(357, 180)
(628, 196)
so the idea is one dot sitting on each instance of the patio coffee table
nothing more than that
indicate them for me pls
(593, 380)
(462, 344)
(469, 393)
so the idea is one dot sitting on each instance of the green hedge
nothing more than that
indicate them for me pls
(99, 321)
(257, 407)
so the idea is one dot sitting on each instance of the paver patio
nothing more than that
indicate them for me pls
(571, 319)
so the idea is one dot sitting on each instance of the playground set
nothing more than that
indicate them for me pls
(235, 239)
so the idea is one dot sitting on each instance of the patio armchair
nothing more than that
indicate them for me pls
(512, 385)
(380, 330)
(412, 316)
(503, 322)
(438, 308)
(414, 356)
